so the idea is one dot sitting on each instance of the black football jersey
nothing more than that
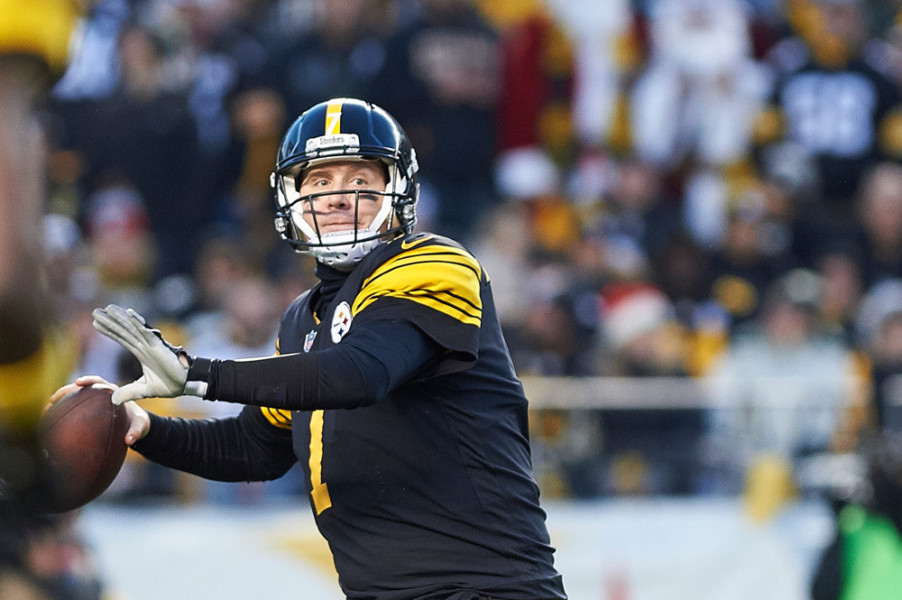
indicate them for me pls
(429, 490)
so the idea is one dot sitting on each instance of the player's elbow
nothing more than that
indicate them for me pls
(352, 381)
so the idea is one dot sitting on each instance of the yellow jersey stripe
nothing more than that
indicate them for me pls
(319, 491)
(419, 252)
(333, 118)
(443, 306)
(442, 278)
(427, 254)
(277, 417)
(435, 258)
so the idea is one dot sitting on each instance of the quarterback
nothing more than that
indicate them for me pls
(392, 386)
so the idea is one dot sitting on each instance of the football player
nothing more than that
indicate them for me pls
(393, 386)
(35, 37)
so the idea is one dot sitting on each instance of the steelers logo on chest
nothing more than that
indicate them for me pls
(341, 321)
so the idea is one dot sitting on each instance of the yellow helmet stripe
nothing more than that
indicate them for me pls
(333, 118)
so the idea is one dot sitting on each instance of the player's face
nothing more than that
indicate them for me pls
(337, 212)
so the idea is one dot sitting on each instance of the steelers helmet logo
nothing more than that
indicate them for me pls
(341, 321)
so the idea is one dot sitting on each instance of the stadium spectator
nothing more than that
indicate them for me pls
(339, 54)
(680, 267)
(694, 102)
(879, 213)
(432, 458)
(566, 446)
(842, 290)
(225, 53)
(246, 328)
(121, 257)
(552, 340)
(606, 51)
(831, 98)
(536, 91)
(221, 261)
(636, 215)
(505, 249)
(788, 178)
(122, 244)
(646, 451)
(741, 269)
(93, 71)
(143, 134)
(441, 79)
(879, 326)
(886, 354)
(782, 390)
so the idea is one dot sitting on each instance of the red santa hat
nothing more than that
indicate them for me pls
(632, 309)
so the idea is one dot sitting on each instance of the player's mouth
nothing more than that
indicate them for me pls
(337, 227)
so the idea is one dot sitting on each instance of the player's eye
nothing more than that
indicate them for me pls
(314, 182)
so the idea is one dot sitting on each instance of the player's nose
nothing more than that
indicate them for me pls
(341, 199)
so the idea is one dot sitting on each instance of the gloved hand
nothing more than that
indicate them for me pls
(165, 366)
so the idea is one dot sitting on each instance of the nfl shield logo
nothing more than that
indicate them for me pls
(308, 341)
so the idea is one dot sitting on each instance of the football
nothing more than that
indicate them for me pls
(83, 441)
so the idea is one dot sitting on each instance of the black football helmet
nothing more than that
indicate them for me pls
(345, 129)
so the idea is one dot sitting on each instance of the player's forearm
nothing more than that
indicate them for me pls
(242, 448)
(358, 372)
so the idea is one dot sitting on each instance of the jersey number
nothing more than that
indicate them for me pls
(320, 491)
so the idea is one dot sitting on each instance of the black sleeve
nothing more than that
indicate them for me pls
(362, 369)
(242, 448)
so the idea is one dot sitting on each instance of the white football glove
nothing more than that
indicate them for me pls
(165, 374)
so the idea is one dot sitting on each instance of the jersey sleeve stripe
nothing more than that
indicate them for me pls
(462, 257)
(276, 416)
(384, 272)
(431, 300)
(423, 255)
(443, 279)
(456, 302)
(427, 255)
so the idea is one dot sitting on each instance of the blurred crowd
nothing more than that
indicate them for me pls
(707, 190)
